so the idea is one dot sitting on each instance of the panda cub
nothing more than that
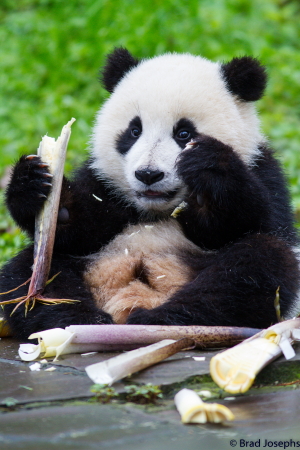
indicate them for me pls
(118, 249)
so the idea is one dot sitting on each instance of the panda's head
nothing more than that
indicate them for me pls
(157, 106)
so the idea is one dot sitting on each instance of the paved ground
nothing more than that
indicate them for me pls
(55, 410)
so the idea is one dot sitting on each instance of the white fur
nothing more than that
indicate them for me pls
(161, 91)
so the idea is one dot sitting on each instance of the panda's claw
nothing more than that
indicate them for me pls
(143, 316)
(190, 145)
(30, 157)
(47, 175)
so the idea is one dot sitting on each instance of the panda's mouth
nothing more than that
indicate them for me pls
(157, 195)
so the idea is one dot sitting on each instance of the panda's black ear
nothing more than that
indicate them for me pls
(245, 77)
(118, 63)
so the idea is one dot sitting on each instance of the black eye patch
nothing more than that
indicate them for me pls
(184, 131)
(127, 138)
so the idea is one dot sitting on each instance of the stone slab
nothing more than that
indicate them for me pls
(19, 382)
(59, 384)
(69, 380)
(94, 427)
(71, 425)
(265, 417)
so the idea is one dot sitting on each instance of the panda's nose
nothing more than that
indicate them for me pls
(148, 176)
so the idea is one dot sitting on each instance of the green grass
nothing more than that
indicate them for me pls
(51, 51)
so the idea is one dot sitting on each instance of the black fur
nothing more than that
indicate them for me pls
(118, 63)
(127, 138)
(245, 77)
(184, 131)
(236, 199)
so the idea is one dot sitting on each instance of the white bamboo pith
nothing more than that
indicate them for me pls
(178, 209)
(235, 369)
(193, 410)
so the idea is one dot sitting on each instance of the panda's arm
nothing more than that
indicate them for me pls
(88, 216)
(228, 199)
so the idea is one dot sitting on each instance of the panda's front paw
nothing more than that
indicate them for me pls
(143, 316)
(29, 186)
(103, 318)
(204, 164)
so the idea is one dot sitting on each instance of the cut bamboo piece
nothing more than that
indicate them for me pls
(235, 369)
(193, 410)
(114, 369)
(5, 330)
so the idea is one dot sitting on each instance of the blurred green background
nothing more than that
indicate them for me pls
(51, 51)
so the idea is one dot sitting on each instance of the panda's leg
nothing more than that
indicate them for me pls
(122, 283)
(236, 286)
(136, 295)
(68, 284)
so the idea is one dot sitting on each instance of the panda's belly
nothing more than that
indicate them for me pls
(140, 268)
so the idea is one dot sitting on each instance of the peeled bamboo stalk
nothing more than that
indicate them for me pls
(235, 369)
(114, 369)
(52, 152)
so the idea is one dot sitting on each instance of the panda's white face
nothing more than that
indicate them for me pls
(155, 110)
